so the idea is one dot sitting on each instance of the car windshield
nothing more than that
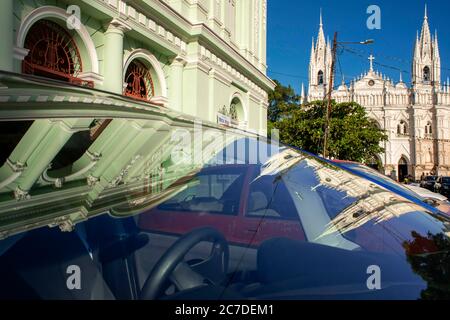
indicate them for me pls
(446, 180)
(430, 178)
(247, 219)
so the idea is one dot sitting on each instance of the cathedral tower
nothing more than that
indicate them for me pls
(319, 65)
(426, 68)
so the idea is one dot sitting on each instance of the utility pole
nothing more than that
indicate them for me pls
(330, 91)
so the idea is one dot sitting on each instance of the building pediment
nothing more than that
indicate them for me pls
(371, 81)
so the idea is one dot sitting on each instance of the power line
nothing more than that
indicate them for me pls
(289, 75)
(390, 66)
(361, 54)
(394, 58)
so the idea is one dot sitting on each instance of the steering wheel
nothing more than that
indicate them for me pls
(171, 266)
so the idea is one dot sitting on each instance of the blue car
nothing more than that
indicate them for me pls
(433, 205)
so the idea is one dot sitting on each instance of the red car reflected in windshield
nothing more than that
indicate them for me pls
(246, 208)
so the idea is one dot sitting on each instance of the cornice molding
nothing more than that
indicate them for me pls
(117, 25)
(186, 30)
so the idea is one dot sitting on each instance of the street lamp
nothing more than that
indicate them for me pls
(368, 41)
(330, 89)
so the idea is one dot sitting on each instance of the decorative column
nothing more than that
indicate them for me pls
(113, 56)
(57, 133)
(176, 84)
(438, 146)
(7, 35)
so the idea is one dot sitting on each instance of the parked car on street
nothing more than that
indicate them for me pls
(429, 200)
(428, 182)
(442, 186)
(425, 193)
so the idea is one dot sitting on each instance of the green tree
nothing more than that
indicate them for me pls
(353, 135)
(281, 100)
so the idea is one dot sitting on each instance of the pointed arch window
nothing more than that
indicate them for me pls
(139, 82)
(320, 78)
(426, 74)
(402, 128)
(428, 129)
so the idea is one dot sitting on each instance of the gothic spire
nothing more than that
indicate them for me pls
(425, 37)
(313, 51)
(321, 43)
(417, 47)
(436, 46)
(321, 22)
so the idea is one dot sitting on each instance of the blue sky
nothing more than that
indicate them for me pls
(292, 24)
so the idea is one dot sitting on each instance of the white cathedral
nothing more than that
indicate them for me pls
(416, 118)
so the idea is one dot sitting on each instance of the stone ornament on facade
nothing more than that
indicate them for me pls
(17, 169)
(117, 25)
(124, 172)
(20, 194)
(92, 181)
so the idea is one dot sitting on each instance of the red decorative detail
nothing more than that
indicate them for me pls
(53, 54)
(139, 82)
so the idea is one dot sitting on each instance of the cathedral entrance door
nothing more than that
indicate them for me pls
(402, 169)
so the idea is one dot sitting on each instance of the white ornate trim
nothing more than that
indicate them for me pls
(150, 58)
(20, 53)
(160, 100)
(17, 168)
(124, 172)
(117, 25)
(92, 76)
(94, 157)
(55, 12)
(19, 194)
(91, 180)
(243, 102)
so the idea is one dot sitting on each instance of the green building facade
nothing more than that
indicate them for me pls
(205, 58)
(141, 70)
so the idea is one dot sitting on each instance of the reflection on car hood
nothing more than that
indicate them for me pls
(425, 193)
(373, 203)
(103, 179)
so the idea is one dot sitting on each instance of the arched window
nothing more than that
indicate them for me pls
(139, 81)
(320, 78)
(428, 129)
(52, 53)
(402, 128)
(237, 113)
(426, 74)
